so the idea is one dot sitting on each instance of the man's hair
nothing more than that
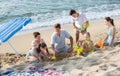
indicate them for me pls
(57, 26)
(35, 34)
(72, 12)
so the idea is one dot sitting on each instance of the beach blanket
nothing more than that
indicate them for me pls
(34, 71)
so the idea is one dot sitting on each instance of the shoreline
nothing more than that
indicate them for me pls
(50, 27)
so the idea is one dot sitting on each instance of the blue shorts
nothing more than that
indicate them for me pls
(64, 49)
(106, 44)
(30, 53)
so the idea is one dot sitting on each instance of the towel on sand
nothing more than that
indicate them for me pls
(34, 71)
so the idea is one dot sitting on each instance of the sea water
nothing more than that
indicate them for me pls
(45, 13)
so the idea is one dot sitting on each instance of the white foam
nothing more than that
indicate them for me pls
(67, 19)
(48, 17)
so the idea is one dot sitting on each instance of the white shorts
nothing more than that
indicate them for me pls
(77, 31)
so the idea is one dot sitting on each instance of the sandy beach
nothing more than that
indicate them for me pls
(97, 29)
(22, 42)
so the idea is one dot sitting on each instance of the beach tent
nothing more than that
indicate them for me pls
(9, 29)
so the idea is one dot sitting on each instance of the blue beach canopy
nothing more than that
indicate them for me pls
(7, 30)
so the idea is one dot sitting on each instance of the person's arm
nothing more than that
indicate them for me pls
(76, 27)
(47, 48)
(67, 35)
(53, 48)
(106, 38)
(47, 51)
(71, 42)
(34, 44)
(84, 17)
(53, 41)
(44, 53)
(113, 36)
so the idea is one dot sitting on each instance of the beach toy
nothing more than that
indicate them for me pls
(53, 58)
(80, 51)
(75, 48)
(85, 25)
(100, 43)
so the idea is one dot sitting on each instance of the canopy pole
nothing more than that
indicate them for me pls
(15, 51)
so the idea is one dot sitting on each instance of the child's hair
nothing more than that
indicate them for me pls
(87, 33)
(35, 34)
(72, 12)
(110, 20)
(42, 45)
(79, 43)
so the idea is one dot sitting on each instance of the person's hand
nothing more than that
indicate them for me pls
(70, 49)
(54, 52)
(79, 29)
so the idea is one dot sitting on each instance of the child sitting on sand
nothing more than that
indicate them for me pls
(85, 46)
(111, 34)
(33, 57)
(38, 53)
(88, 43)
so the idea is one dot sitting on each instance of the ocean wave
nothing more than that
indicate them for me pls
(45, 13)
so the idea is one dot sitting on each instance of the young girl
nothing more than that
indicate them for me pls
(37, 54)
(110, 39)
(33, 57)
(37, 41)
(85, 45)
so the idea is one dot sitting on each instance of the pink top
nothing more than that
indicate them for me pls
(35, 44)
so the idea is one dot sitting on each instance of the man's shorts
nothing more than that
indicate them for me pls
(64, 49)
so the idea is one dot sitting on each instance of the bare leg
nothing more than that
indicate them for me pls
(77, 37)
